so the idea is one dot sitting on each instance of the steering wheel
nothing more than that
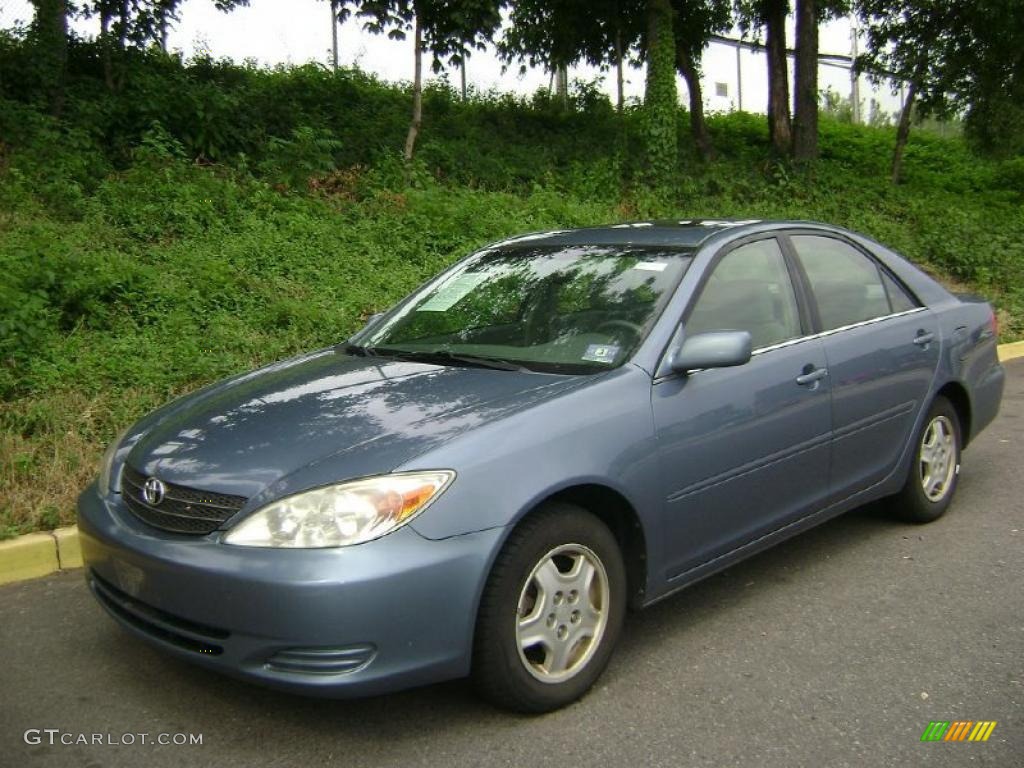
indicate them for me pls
(633, 328)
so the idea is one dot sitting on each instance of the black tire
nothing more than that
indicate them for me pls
(913, 503)
(564, 535)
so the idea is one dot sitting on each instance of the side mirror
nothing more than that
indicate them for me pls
(716, 349)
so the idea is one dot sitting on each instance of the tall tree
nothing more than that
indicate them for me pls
(660, 97)
(135, 23)
(770, 15)
(49, 32)
(560, 33)
(987, 77)
(809, 14)
(340, 13)
(695, 22)
(447, 29)
(914, 42)
(805, 119)
(669, 35)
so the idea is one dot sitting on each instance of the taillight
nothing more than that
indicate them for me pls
(994, 325)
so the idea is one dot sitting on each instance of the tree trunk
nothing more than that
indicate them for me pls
(805, 125)
(334, 34)
(105, 45)
(698, 126)
(562, 86)
(779, 126)
(50, 31)
(417, 93)
(620, 102)
(462, 77)
(660, 97)
(163, 31)
(122, 34)
(903, 133)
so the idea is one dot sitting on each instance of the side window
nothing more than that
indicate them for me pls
(749, 290)
(898, 296)
(846, 284)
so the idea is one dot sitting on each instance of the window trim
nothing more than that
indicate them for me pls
(840, 329)
(785, 236)
(806, 301)
(804, 308)
(793, 342)
(698, 290)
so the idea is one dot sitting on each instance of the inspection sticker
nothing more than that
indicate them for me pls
(453, 291)
(601, 353)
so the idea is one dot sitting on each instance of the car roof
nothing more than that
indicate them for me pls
(676, 233)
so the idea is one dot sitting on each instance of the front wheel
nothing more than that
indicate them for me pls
(551, 612)
(932, 481)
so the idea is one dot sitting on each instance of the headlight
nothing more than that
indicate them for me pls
(341, 515)
(107, 463)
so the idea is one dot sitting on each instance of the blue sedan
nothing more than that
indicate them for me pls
(561, 426)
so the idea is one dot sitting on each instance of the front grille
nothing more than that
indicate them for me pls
(183, 633)
(183, 510)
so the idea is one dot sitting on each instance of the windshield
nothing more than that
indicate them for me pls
(562, 309)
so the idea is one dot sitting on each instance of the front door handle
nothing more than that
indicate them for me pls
(924, 338)
(811, 375)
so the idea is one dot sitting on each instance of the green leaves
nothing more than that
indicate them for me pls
(451, 28)
(660, 97)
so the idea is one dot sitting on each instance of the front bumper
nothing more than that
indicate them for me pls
(389, 614)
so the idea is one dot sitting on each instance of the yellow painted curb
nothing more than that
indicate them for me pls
(28, 557)
(69, 554)
(1011, 351)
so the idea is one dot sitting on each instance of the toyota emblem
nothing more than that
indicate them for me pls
(153, 491)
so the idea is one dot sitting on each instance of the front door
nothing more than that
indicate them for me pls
(745, 450)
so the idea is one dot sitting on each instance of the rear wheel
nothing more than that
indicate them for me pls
(932, 481)
(551, 612)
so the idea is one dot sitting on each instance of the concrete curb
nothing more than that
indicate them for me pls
(1011, 351)
(39, 554)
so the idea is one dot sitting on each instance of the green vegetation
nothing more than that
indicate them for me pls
(204, 219)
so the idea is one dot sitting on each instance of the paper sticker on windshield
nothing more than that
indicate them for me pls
(452, 292)
(651, 266)
(601, 353)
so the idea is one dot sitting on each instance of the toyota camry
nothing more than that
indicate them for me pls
(559, 428)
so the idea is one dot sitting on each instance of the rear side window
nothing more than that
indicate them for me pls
(900, 300)
(749, 290)
(847, 285)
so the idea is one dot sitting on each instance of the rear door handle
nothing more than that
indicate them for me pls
(812, 375)
(924, 338)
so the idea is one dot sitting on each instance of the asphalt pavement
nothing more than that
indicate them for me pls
(836, 648)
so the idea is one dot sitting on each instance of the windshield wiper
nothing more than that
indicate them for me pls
(446, 357)
(360, 351)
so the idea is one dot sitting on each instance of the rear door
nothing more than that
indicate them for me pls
(743, 450)
(882, 349)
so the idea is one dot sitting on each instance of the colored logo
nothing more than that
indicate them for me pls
(958, 730)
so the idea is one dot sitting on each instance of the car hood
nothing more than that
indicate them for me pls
(352, 416)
